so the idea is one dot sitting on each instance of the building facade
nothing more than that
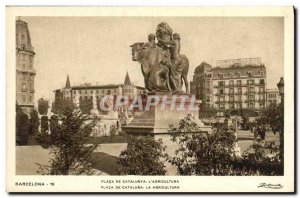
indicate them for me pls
(201, 86)
(233, 84)
(272, 96)
(25, 72)
(86, 91)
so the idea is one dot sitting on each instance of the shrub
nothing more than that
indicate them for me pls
(202, 153)
(143, 156)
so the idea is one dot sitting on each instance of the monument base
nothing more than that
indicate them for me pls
(155, 122)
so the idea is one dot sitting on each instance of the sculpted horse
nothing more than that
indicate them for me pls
(156, 74)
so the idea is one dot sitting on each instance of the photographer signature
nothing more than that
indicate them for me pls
(272, 186)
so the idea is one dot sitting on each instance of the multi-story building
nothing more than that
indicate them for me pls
(25, 72)
(272, 96)
(86, 91)
(201, 85)
(234, 84)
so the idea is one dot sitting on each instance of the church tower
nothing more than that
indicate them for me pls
(128, 88)
(25, 72)
(67, 92)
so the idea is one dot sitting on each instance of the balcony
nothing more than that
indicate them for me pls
(219, 102)
(239, 93)
(25, 47)
(261, 100)
(32, 91)
(221, 94)
(250, 100)
(24, 90)
(250, 92)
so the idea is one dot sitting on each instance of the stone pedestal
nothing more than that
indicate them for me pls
(168, 111)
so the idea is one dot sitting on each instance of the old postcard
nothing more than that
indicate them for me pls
(150, 99)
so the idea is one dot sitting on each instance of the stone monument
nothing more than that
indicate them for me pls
(165, 71)
(94, 110)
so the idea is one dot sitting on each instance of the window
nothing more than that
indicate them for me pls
(239, 98)
(221, 75)
(251, 89)
(24, 87)
(24, 98)
(261, 96)
(221, 83)
(231, 90)
(103, 91)
(85, 92)
(238, 106)
(91, 91)
(22, 38)
(261, 81)
(239, 74)
(30, 99)
(231, 106)
(221, 91)
(115, 90)
(239, 90)
(74, 92)
(222, 99)
(239, 82)
(79, 92)
(222, 107)
(231, 82)
(97, 91)
(250, 74)
(251, 105)
(251, 97)
(250, 82)
(231, 98)
(85, 97)
(261, 89)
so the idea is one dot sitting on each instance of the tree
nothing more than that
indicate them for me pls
(209, 112)
(86, 106)
(22, 126)
(34, 122)
(72, 155)
(44, 124)
(43, 105)
(263, 156)
(202, 153)
(143, 156)
(54, 126)
(273, 117)
(59, 105)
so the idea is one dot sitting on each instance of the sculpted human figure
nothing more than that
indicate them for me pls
(163, 67)
(151, 40)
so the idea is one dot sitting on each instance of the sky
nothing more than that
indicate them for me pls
(97, 49)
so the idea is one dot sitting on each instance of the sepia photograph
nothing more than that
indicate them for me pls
(150, 100)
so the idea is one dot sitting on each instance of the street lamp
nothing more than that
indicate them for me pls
(280, 86)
